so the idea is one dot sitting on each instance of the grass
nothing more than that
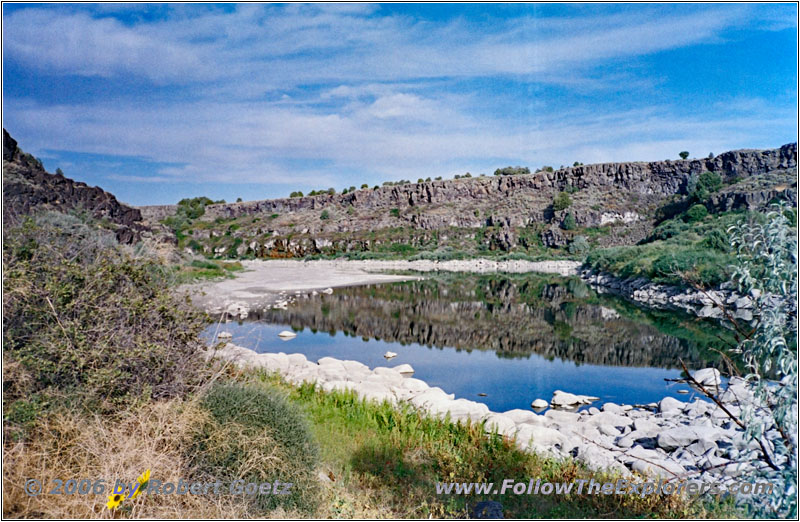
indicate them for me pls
(385, 461)
(205, 270)
(680, 250)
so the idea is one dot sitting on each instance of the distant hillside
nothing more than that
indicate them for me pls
(609, 204)
(28, 188)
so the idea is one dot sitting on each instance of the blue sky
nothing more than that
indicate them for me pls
(156, 102)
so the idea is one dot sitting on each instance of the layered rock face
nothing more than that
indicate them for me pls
(654, 178)
(28, 188)
(491, 213)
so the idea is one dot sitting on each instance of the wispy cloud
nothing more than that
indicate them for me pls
(319, 95)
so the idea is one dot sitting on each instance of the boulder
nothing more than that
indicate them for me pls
(569, 400)
(662, 468)
(539, 404)
(610, 419)
(539, 437)
(520, 416)
(404, 369)
(390, 375)
(497, 422)
(682, 436)
(670, 405)
(707, 377)
(414, 384)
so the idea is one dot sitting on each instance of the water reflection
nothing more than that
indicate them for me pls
(514, 316)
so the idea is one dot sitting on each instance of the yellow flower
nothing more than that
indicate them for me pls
(115, 500)
(143, 480)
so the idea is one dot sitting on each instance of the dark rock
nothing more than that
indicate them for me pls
(28, 188)
(487, 509)
(554, 238)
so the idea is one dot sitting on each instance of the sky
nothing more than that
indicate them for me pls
(158, 102)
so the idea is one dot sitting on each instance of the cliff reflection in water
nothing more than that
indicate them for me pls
(515, 316)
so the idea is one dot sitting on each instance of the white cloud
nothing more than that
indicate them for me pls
(358, 93)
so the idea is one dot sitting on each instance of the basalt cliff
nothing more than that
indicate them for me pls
(619, 202)
(28, 188)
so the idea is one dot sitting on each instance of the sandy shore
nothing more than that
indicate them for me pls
(264, 282)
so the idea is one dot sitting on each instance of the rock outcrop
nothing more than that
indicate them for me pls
(502, 213)
(28, 188)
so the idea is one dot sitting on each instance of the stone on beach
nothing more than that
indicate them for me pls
(669, 405)
(539, 404)
(707, 377)
(286, 335)
(669, 439)
(565, 400)
(404, 369)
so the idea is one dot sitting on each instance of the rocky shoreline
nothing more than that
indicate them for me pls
(671, 439)
(706, 304)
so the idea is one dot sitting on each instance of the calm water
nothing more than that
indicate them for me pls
(514, 338)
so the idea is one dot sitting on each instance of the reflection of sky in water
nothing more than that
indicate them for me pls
(507, 383)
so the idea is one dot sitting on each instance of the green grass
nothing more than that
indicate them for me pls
(205, 270)
(680, 251)
(386, 461)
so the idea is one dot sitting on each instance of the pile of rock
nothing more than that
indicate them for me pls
(669, 439)
(702, 304)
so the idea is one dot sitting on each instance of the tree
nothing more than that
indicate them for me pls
(238, 200)
(766, 271)
(561, 201)
(364, 185)
(684, 154)
(569, 222)
(59, 171)
(325, 215)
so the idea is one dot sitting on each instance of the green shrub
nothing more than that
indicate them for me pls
(256, 434)
(667, 229)
(705, 185)
(704, 267)
(90, 324)
(696, 213)
(198, 263)
(325, 215)
(580, 245)
(394, 212)
(402, 249)
(718, 240)
(561, 201)
(569, 222)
